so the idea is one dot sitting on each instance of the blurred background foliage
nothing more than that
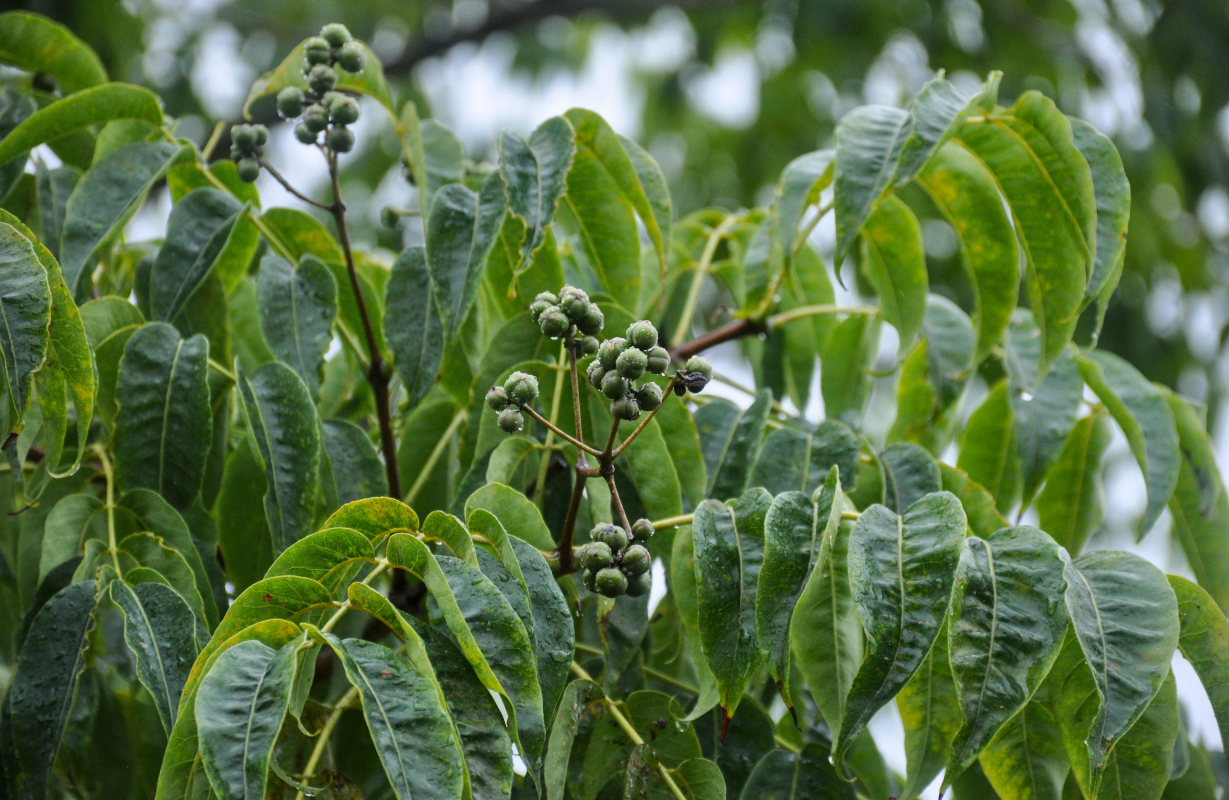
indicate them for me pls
(725, 93)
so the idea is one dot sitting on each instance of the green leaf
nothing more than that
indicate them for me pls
(412, 324)
(575, 703)
(406, 715)
(795, 530)
(160, 631)
(351, 466)
(1203, 637)
(901, 570)
(461, 229)
(1006, 628)
(297, 309)
(937, 113)
(197, 233)
(243, 536)
(331, 557)
(106, 197)
(444, 157)
(909, 474)
(45, 681)
(554, 632)
(896, 266)
(534, 175)
(792, 460)
(1112, 193)
(984, 516)
(1069, 505)
(289, 72)
(55, 186)
(25, 310)
(729, 551)
(36, 44)
(282, 418)
(145, 550)
(988, 451)
(1126, 621)
(799, 186)
(163, 426)
(965, 193)
(239, 709)
(283, 597)
(785, 775)
(1048, 186)
(1199, 505)
(1142, 412)
(930, 713)
(302, 234)
(490, 635)
(845, 380)
(728, 470)
(653, 473)
(608, 162)
(79, 110)
(869, 141)
(375, 516)
(1026, 759)
(515, 511)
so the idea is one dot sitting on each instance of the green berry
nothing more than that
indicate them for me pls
(522, 388)
(262, 134)
(595, 374)
(592, 322)
(636, 560)
(317, 51)
(553, 322)
(642, 334)
(243, 137)
(625, 408)
(700, 365)
(305, 134)
(614, 386)
(315, 118)
(597, 555)
(569, 290)
(659, 360)
(614, 537)
(640, 584)
(586, 347)
(335, 34)
(537, 307)
(249, 169)
(642, 529)
(589, 578)
(575, 306)
(321, 78)
(547, 297)
(598, 532)
(290, 102)
(649, 396)
(610, 582)
(511, 420)
(632, 363)
(343, 110)
(351, 58)
(608, 352)
(339, 140)
(496, 398)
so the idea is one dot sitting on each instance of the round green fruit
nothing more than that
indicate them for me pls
(290, 102)
(351, 58)
(593, 321)
(597, 556)
(649, 396)
(248, 169)
(496, 398)
(586, 347)
(608, 351)
(659, 360)
(321, 78)
(315, 118)
(611, 582)
(614, 537)
(614, 386)
(340, 140)
(335, 34)
(632, 363)
(625, 408)
(511, 420)
(522, 388)
(642, 334)
(317, 51)
(642, 529)
(554, 323)
(344, 110)
(636, 560)
(640, 584)
(595, 374)
(243, 137)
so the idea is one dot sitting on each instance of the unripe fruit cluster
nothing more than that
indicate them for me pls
(246, 142)
(521, 389)
(569, 314)
(322, 109)
(622, 361)
(615, 562)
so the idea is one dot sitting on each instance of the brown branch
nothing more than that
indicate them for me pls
(728, 332)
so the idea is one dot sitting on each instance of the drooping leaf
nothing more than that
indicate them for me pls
(514, 510)
(163, 425)
(244, 539)
(988, 452)
(534, 174)
(1026, 759)
(735, 450)
(785, 775)
(1141, 411)
(729, 548)
(1069, 505)
(845, 379)
(412, 324)
(1112, 193)
(1125, 617)
(197, 233)
(297, 309)
(1203, 637)
(901, 570)
(930, 713)
(909, 474)
(55, 186)
(869, 141)
(25, 310)
(937, 112)
(553, 629)
(350, 467)
(792, 460)
(35, 43)
(896, 266)
(461, 229)
(91, 106)
(799, 186)
(1006, 628)
(160, 631)
(332, 557)
(239, 709)
(282, 418)
(577, 698)
(105, 198)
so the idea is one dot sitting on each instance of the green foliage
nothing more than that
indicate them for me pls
(322, 531)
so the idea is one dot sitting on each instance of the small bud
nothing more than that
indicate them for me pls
(592, 322)
(614, 537)
(317, 51)
(569, 290)
(248, 169)
(636, 560)
(648, 396)
(589, 578)
(339, 140)
(261, 133)
(511, 420)
(642, 529)
(598, 532)
(537, 307)
(608, 352)
(642, 334)
(522, 388)
(322, 78)
(611, 582)
(244, 137)
(597, 555)
(351, 58)
(546, 297)
(632, 363)
(496, 398)
(335, 34)
(290, 102)
(575, 307)
(659, 360)
(595, 374)
(614, 386)
(639, 584)
(586, 347)
(343, 110)
(305, 134)
(553, 322)
(315, 118)
(625, 408)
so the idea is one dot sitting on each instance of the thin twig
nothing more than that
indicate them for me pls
(673, 522)
(555, 429)
(618, 501)
(631, 437)
(277, 176)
